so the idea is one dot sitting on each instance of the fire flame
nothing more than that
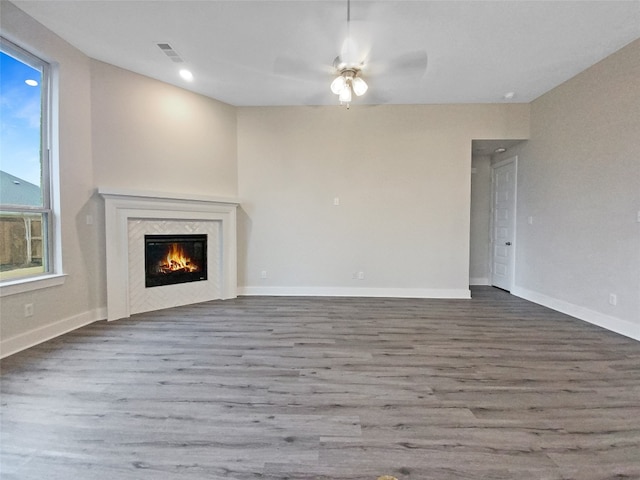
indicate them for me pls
(177, 261)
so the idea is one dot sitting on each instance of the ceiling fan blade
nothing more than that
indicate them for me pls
(296, 67)
(348, 52)
(407, 64)
(356, 43)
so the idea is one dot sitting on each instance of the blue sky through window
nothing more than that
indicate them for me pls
(20, 112)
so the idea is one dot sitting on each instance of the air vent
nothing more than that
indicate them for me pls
(170, 52)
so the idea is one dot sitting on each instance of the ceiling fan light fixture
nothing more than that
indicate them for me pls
(345, 94)
(338, 85)
(359, 86)
(347, 83)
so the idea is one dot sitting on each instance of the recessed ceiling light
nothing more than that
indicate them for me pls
(509, 95)
(31, 82)
(186, 74)
(500, 150)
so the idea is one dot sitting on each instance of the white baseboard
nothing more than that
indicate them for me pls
(617, 325)
(354, 292)
(479, 281)
(25, 340)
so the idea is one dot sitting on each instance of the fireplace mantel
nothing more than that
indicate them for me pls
(167, 196)
(121, 206)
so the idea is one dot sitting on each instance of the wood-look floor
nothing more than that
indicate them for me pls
(327, 388)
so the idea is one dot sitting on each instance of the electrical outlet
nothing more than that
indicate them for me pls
(360, 275)
(28, 309)
(613, 299)
(263, 274)
(336, 201)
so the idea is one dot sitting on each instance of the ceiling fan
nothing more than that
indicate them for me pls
(353, 68)
(352, 64)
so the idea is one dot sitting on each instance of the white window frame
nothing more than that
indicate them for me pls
(52, 274)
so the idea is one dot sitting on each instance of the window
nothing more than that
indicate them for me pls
(25, 184)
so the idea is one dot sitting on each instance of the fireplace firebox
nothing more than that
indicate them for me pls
(171, 259)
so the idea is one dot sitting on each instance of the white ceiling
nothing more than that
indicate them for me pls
(268, 52)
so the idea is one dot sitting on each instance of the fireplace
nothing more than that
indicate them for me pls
(173, 259)
(132, 215)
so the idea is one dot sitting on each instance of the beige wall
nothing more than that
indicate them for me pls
(579, 178)
(148, 135)
(81, 297)
(402, 174)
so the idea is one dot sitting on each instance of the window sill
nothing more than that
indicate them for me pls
(23, 285)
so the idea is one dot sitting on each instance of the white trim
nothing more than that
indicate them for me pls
(479, 281)
(9, 346)
(50, 170)
(514, 243)
(617, 325)
(146, 194)
(13, 287)
(355, 292)
(121, 205)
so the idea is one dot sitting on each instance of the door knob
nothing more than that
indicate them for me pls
(508, 244)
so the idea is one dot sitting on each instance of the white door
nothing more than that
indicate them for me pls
(503, 223)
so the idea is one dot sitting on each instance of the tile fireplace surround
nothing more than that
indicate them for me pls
(129, 215)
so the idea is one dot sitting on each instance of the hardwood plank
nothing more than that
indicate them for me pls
(327, 388)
